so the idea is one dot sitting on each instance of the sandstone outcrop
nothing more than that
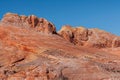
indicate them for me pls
(26, 54)
(89, 37)
(40, 24)
(80, 36)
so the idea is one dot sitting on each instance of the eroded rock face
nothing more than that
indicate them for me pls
(26, 54)
(89, 37)
(40, 24)
(79, 35)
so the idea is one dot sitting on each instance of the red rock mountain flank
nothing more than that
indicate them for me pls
(31, 49)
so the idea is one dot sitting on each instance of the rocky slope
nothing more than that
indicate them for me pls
(31, 49)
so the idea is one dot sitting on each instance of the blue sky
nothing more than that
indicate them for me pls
(102, 14)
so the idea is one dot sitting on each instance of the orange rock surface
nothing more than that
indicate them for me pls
(40, 24)
(89, 37)
(31, 49)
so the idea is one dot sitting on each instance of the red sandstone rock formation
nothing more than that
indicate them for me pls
(26, 54)
(89, 37)
(40, 24)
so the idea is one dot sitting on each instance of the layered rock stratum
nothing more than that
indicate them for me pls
(32, 49)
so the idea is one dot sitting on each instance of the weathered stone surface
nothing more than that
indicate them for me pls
(89, 37)
(40, 24)
(26, 54)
